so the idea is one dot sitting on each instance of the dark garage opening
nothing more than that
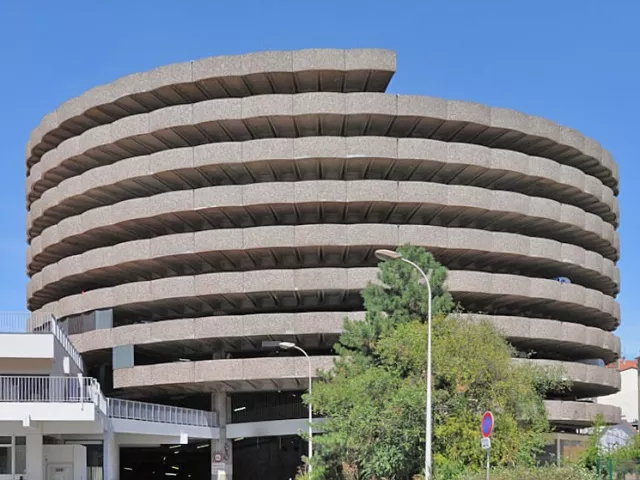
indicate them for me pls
(268, 458)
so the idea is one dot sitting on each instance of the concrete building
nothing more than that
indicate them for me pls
(627, 398)
(56, 423)
(179, 217)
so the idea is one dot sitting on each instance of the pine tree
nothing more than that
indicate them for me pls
(374, 398)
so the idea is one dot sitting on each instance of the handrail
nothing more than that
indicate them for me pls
(36, 389)
(66, 343)
(40, 388)
(24, 322)
(23, 388)
(152, 412)
(27, 322)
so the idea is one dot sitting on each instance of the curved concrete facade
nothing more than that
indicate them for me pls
(209, 205)
(528, 334)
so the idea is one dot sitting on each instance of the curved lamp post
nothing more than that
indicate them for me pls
(289, 346)
(385, 255)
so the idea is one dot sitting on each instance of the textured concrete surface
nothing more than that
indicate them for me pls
(539, 335)
(287, 116)
(331, 157)
(185, 374)
(277, 372)
(232, 374)
(590, 379)
(210, 196)
(239, 75)
(277, 245)
(581, 414)
(517, 212)
(525, 333)
(547, 297)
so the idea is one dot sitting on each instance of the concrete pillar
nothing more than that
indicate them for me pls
(222, 446)
(103, 319)
(122, 356)
(110, 456)
(35, 457)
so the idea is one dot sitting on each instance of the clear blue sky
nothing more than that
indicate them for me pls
(573, 61)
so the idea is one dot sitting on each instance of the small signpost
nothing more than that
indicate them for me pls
(486, 426)
(217, 465)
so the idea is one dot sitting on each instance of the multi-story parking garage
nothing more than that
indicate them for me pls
(179, 217)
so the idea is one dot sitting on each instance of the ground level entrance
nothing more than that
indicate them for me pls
(268, 458)
(192, 461)
(264, 458)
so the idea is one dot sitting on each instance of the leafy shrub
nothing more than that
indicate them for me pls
(537, 473)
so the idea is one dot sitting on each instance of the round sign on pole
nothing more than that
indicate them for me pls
(487, 424)
(217, 457)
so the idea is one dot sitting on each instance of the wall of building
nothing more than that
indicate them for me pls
(26, 366)
(76, 455)
(35, 352)
(627, 397)
(38, 354)
(58, 361)
(264, 185)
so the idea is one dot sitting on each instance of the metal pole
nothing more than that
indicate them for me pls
(310, 408)
(488, 461)
(427, 454)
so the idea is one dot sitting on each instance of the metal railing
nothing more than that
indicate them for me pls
(48, 389)
(152, 412)
(37, 389)
(26, 322)
(66, 343)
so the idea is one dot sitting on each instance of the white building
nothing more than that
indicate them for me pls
(50, 414)
(627, 397)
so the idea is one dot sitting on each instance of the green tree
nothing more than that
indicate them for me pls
(592, 457)
(627, 458)
(374, 398)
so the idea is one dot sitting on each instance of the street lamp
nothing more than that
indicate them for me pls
(289, 346)
(385, 255)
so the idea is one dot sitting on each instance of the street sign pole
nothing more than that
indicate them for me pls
(488, 461)
(486, 445)
(486, 426)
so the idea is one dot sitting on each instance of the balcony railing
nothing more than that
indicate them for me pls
(21, 322)
(49, 389)
(24, 322)
(38, 389)
(151, 412)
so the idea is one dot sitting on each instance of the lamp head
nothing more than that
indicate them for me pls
(385, 255)
(277, 344)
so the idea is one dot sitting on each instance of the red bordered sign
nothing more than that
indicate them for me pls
(487, 424)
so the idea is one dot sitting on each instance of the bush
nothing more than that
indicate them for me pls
(537, 473)
(573, 472)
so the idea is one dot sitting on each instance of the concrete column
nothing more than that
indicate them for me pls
(122, 356)
(220, 404)
(103, 319)
(35, 457)
(110, 456)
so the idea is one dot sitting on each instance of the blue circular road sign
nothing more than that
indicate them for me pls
(487, 424)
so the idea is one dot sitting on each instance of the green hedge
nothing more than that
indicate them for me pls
(517, 473)
(538, 473)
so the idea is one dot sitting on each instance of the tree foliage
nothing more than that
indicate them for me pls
(374, 397)
(624, 459)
